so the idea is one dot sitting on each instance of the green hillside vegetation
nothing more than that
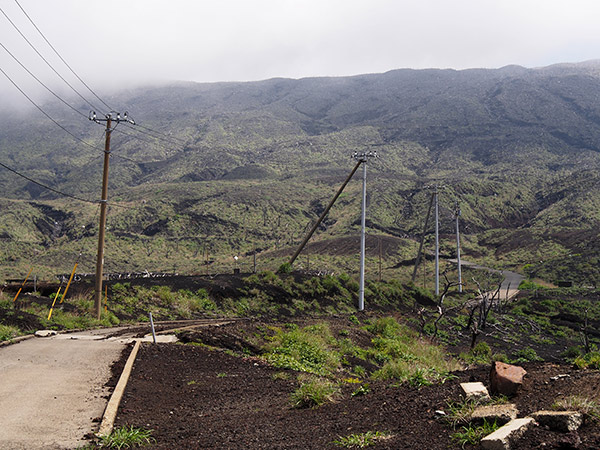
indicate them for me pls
(247, 167)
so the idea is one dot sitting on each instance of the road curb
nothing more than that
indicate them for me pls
(110, 413)
(16, 340)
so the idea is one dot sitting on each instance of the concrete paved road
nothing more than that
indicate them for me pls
(51, 389)
(510, 285)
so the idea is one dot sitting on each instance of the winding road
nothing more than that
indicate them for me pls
(510, 285)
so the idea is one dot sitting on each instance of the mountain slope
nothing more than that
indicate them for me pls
(254, 162)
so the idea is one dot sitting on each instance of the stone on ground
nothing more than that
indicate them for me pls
(45, 333)
(475, 391)
(499, 413)
(502, 438)
(506, 379)
(564, 421)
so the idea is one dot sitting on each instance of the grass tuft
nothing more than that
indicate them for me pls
(588, 407)
(472, 434)
(127, 437)
(8, 332)
(314, 393)
(361, 440)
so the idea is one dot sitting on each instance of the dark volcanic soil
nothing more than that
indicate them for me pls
(193, 397)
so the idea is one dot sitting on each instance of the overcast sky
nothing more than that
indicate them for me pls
(127, 41)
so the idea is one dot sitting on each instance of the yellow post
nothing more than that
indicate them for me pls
(52, 307)
(69, 283)
(21, 288)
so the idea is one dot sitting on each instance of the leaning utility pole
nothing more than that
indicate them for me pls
(419, 253)
(457, 215)
(323, 214)
(103, 203)
(362, 157)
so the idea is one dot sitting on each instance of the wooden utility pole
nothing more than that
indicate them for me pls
(102, 227)
(103, 204)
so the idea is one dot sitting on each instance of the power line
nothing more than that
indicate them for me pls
(55, 122)
(161, 136)
(45, 113)
(56, 191)
(170, 139)
(46, 61)
(147, 141)
(174, 138)
(64, 194)
(59, 98)
(61, 58)
(39, 81)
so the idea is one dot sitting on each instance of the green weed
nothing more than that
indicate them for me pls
(281, 376)
(472, 434)
(8, 332)
(588, 407)
(405, 356)
(588, 361)
(313, 393)
(363, 389)
(526, 355)
(481, 354)
(309, 349)
(127, 437)
(361, 440)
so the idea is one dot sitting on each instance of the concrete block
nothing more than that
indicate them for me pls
(502, 438)
(500, 413)
(564, 421)
(475, 391)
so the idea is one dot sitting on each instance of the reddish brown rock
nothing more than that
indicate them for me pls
(506, 379)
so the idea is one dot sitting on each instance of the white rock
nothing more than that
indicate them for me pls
(45, 333)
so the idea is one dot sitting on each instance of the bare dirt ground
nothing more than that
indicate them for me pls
(193, 397)
(53, 390)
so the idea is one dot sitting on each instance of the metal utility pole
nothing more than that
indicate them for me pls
(363, 157)
(103, 203)
(457, 215)
(323, 214)
(437, 242)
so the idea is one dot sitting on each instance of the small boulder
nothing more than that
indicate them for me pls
(506, 379)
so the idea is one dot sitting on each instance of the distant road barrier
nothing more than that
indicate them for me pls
(116, 276)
